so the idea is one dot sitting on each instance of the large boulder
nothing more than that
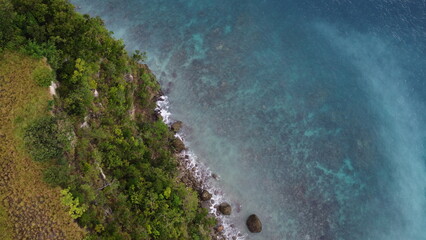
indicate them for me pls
(205, 195)
(219, 228)
(178, 145)
(254, 224)
(176, 126)
(225, 208)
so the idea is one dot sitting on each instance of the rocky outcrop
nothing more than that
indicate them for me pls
(176, 126)
(129, 77)
(254, 224)
(205, 195)
(52, 88)
(178, 145)
(225, 208)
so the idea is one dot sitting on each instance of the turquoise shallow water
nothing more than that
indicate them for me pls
(312, 112)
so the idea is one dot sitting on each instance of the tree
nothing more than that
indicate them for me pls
(75, 210)
(7, 26)
(45, 140)
(139, 56)
(79, 96)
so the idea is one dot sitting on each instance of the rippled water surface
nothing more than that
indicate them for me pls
(311, 111)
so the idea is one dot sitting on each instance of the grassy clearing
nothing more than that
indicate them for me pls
(29, 207)
(5, 228)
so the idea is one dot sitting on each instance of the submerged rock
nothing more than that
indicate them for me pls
(254, 224)
(225, 208)
(205, 195)
(176, 126)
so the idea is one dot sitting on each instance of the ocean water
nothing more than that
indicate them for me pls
(312, 112)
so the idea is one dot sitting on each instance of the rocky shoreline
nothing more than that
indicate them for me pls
(190, 173)
(197, 177)
(189, 178)
(193, 175)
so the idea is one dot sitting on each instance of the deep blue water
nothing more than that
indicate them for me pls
(311, 111)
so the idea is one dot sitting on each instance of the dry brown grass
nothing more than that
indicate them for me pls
(32, 209)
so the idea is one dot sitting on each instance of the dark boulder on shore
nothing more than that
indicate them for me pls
(178, 145)
(176, 126)
(215, 176)
(219, 228)
(225, 208)
(205, 195)
(254, 224)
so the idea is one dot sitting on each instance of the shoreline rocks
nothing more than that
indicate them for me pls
(189, 176)
(254, 224)
(225, 208)
(219, 228)
(178, 145)
(205, 195)
(176, 126)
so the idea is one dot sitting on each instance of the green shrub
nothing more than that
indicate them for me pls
(78, 96)
(45, 140)
(75, 210)
(47, 50)
(57, 175)
(43, 76)
(139, 56)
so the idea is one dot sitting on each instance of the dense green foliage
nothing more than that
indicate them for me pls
(75, 210)
(46, 140)
(118, 169)
(43, 76)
